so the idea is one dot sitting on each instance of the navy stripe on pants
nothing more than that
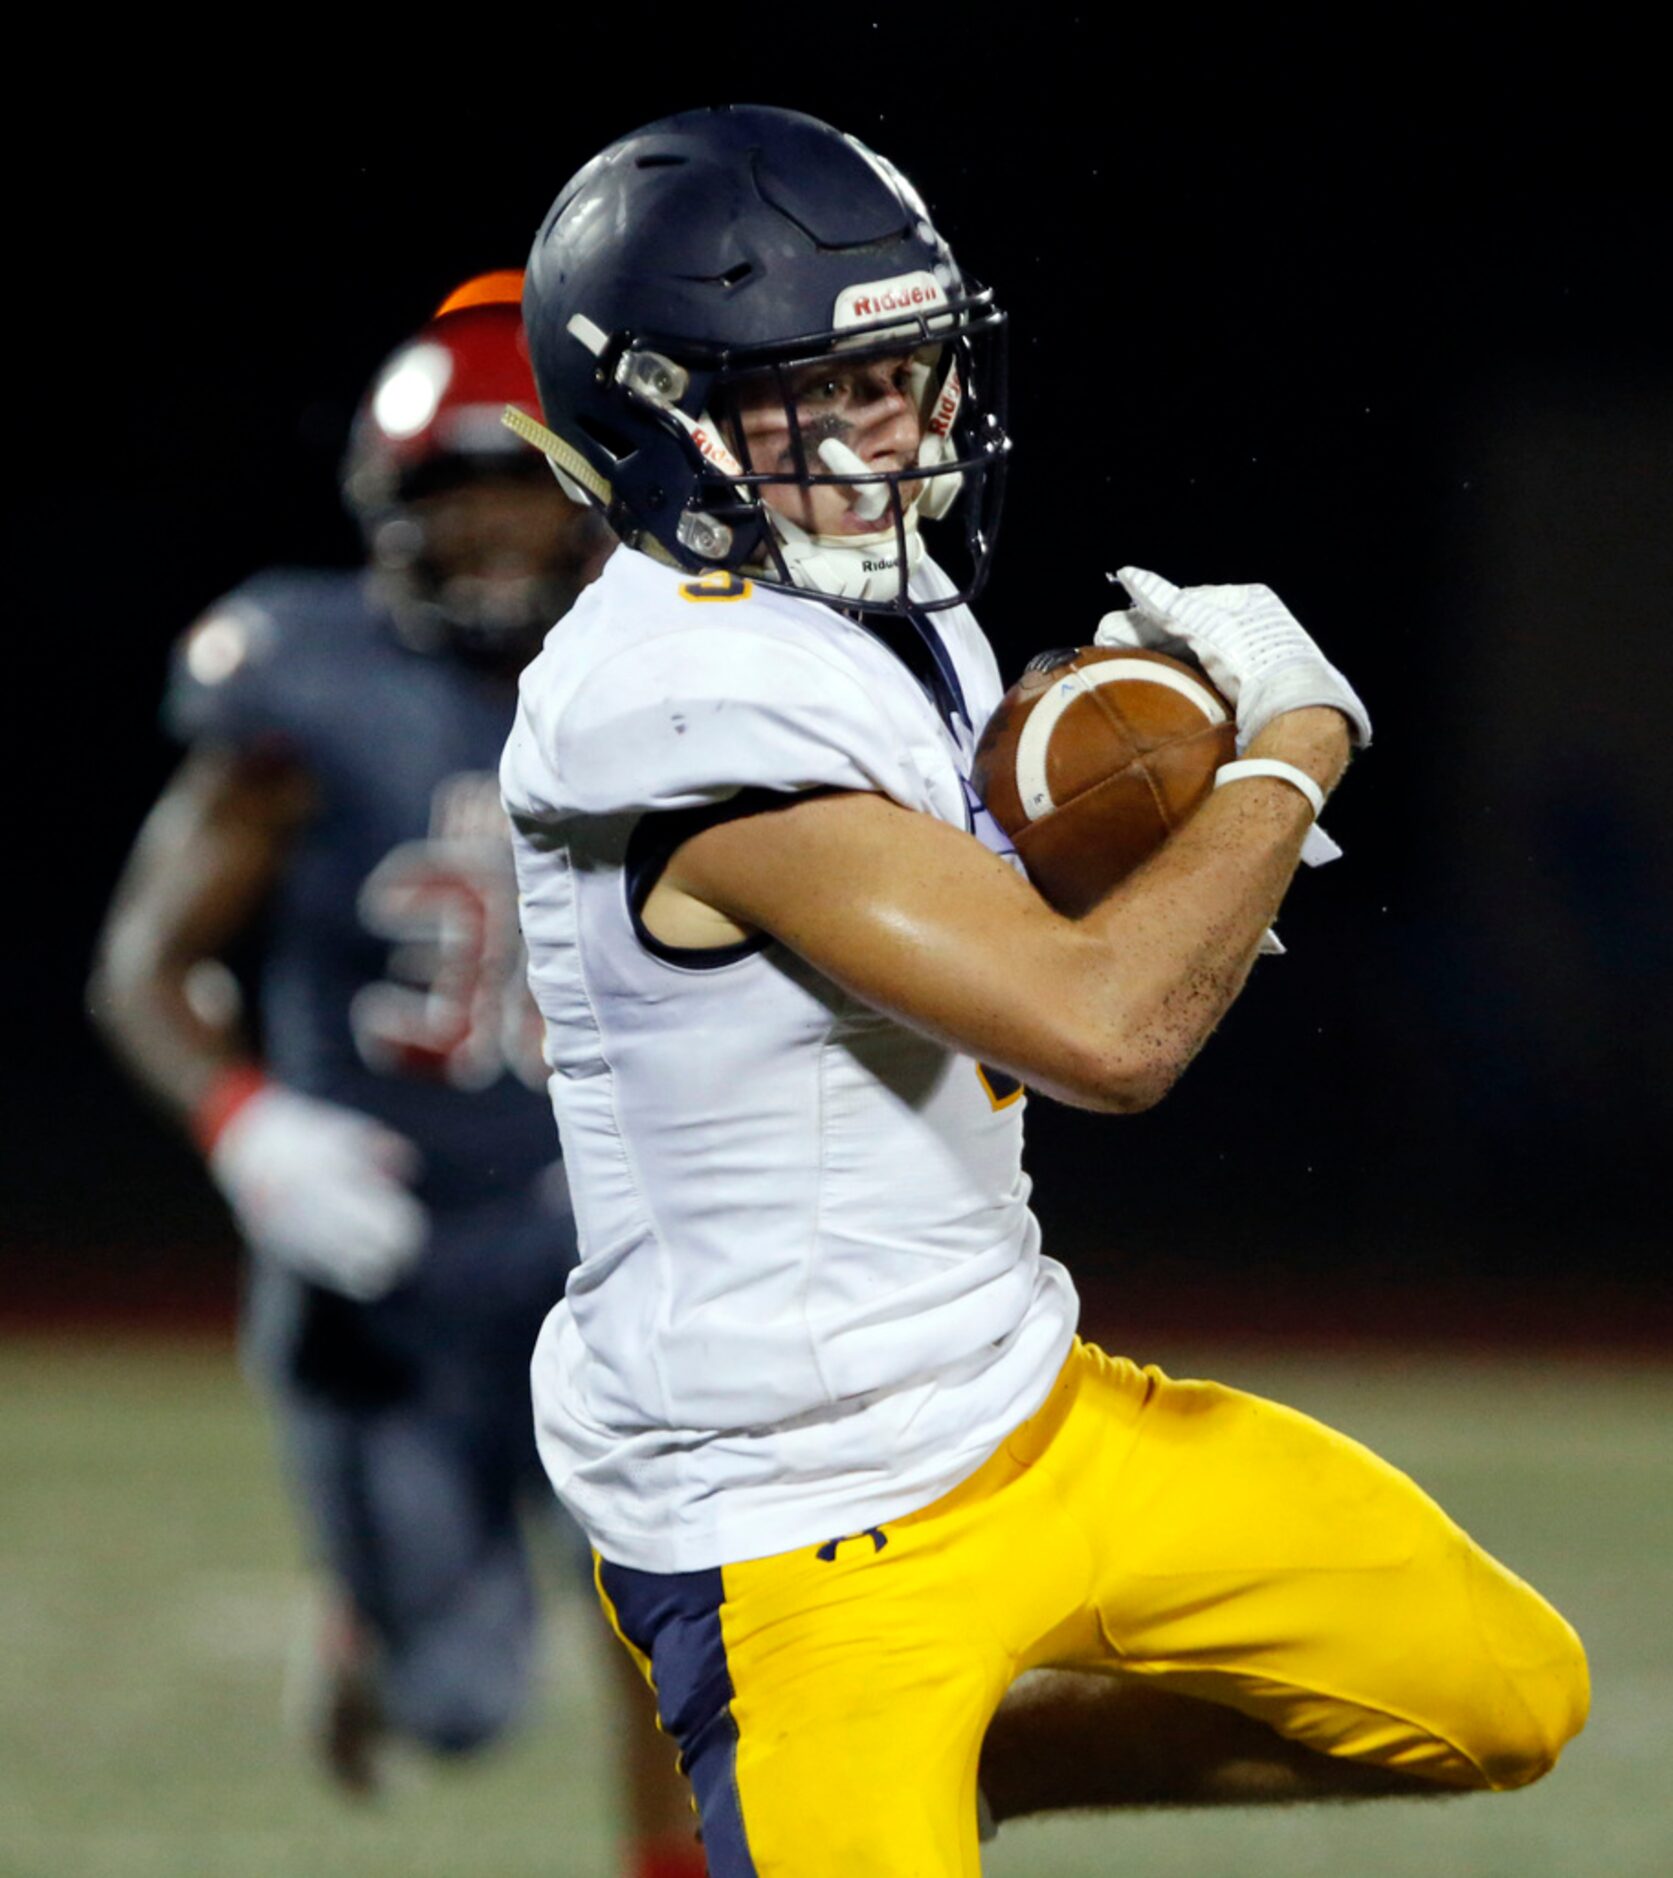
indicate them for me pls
(674, 1619)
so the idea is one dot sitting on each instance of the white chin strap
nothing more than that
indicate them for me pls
(853, 567)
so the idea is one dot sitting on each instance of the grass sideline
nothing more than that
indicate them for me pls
(152, 1591)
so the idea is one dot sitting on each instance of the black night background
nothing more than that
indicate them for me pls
(1381, 323)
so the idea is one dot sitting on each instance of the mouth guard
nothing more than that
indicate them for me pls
(870, 499)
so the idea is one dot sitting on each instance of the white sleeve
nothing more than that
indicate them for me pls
(694, 716)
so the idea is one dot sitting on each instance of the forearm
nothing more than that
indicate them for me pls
(204, 862)
(921, 922)
(175, 1041)
(1181, 934)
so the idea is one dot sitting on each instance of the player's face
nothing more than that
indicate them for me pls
(868, 405)
(498, 546)
(500, 529)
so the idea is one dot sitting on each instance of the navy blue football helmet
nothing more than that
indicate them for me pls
(713, 264)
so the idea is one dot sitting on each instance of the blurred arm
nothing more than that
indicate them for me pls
(315, 1186)
(918, 920)
(204, 862)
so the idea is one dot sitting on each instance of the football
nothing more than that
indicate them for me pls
(1093, 758)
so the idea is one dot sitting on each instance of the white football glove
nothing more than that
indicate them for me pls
(322, 1190)
(1245, 638)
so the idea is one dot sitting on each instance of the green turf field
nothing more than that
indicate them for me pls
(151, 1593)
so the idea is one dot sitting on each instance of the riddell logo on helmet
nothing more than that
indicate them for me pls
(870, 305)
(946, 406)
(716, 452)
(875, 299)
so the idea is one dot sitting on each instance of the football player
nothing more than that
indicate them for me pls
(814, 1393)
(384, 1146)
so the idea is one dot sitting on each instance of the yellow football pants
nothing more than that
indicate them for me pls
(830, 1703)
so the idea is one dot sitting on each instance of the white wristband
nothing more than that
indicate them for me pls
(1249, 766)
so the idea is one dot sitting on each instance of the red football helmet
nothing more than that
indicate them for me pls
(479, 568)
(438, 398)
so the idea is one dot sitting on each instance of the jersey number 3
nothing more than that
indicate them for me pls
(456, 1007)
(720, 585)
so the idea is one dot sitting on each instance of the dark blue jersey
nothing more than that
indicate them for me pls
(392, 976)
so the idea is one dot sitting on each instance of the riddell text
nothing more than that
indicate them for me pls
(870, 303)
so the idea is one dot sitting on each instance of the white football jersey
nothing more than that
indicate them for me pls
(811, 1296)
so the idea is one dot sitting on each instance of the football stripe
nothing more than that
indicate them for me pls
(1035, 740)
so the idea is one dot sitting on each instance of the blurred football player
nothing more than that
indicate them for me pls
(384, 1147)
(814, 1393)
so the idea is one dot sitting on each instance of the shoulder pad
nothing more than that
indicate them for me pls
(233, 671)
(693, 716)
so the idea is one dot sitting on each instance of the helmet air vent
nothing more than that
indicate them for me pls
(733, 276)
